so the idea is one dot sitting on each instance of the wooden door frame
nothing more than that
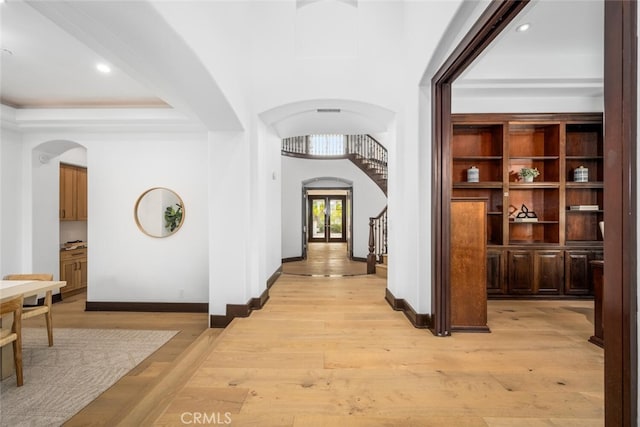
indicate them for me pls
(620, 139)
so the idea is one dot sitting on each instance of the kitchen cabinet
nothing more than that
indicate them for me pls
(73, 270)
(73, 193)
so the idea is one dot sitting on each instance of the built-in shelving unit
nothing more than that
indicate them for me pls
(551, 255)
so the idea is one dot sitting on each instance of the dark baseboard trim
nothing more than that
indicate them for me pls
(54, 299)
(238, 310)
(244, 310)
(355, 258)
(421, 321)
(274, 277)
(292, 259)
(64, 294)
(163, 307)
(481, 329)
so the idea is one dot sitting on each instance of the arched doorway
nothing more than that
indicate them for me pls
(52, 225)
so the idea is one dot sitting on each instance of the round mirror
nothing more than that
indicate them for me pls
(159, 212)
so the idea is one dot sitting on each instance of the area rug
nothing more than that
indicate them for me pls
(61, 380)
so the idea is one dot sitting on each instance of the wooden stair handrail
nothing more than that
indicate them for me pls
(377, 240)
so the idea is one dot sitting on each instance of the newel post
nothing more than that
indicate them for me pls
(371, 258)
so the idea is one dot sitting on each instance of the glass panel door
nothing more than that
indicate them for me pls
(317, 219)
(337, 214)
(327, 219)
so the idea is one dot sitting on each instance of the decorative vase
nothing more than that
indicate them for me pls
(473, 174)
(581, 174)
(527, 178)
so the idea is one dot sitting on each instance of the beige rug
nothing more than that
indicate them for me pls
(61, 380)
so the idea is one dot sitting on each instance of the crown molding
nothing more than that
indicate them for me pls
(97, 119)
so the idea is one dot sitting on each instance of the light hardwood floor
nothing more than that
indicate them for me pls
(326, 259)
(109, 408)
(330, 351)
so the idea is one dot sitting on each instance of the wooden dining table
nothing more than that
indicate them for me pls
(26, 288)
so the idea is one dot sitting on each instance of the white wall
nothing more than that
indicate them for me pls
(229, 206)
(271, 176)
(368, 200)
(45, 224)
(11, 239)
(123, 263)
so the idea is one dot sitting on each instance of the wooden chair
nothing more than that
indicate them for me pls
(14, 335)
(45, 309)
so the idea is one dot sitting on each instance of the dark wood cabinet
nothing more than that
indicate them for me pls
(520, 266)
(597, 274)
(549, 272)
(495, 272)
(468, 265)
(578, 273)
(546, 253)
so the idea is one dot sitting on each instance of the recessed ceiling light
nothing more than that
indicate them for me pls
(103, 68)
(522, 28)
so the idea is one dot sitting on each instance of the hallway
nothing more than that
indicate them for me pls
(330, 351)
(326, 259)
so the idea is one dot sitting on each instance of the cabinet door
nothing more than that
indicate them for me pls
(495, 272)
(577, 273)
(82, 267)
(68, 274)
(67, 193)
(520, 265)
(81, 194)
(549, 272)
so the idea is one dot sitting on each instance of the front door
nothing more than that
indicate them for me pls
(327, 219)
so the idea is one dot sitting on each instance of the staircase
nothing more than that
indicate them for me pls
(362, 150)
(374, 169)
(381, 269)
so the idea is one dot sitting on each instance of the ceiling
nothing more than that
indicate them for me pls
(44, 66)
(47, 67)
(561, 54)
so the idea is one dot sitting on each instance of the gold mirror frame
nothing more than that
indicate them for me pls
(151, 212)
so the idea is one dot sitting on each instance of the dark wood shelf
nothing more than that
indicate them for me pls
(548, 258)
(512, 222)
(591, 184)
(534, 185)
(592, 243)
(481, 184)
(534, 157)
(573, 211)
(479, 158)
